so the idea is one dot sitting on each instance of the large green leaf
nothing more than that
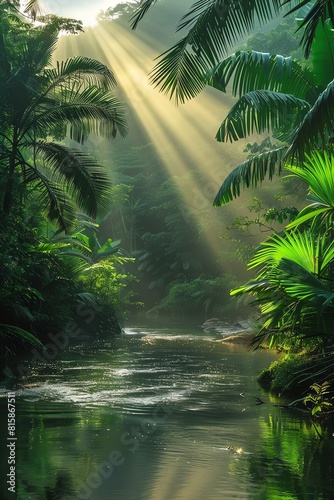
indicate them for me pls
(213, 28)
(304, 285)
(86, 110)
(85, 179)
(52, 196)
(292, 298)
(251, 70)
(78, 69)
(316, 128)
(250, 174)
(262, 111)
(323, 53)
(303, 248)
(311, 15)
(180, 72)
(318, 172)
(313, 253)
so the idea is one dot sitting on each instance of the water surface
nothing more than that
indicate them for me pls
(171, 415)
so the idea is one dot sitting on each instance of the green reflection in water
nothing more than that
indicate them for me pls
(291, 462)
(96, 404)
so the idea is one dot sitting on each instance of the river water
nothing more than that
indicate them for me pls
(171, 415)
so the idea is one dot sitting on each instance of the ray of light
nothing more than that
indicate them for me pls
(183, 136)
(180, 477)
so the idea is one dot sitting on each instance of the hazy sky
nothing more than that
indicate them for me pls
(85, 10)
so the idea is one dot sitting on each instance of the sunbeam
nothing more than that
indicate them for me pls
(182, 135)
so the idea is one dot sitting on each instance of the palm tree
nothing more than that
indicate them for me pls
(40, 103)
(294, 287)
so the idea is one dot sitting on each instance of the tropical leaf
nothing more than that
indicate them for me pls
(316, 128)
(18, 334)
(323, 54)
(311, 15)
(84, 177)
(303, 285)
(318, 172)
(87, 110)
(33, 8)
(250, 174)
(262, 111)
(303, 248)
(180, 72)
(292, 300)
(278, 313)
(140, 12)
(251, 70)
(310, 213)
(53, 198)
(213, 27)
(77, 69)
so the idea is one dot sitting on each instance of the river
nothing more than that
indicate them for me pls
(170, 415)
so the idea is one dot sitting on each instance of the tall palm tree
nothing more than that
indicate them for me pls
(40, 104)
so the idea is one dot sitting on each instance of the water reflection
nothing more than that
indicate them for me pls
(170, 416)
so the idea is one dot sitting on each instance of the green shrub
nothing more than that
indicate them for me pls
(287, 374)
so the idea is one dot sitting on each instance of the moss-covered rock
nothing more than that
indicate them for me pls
(287, 375)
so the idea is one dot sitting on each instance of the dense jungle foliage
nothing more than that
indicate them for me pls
(66, 215)
(53, 267)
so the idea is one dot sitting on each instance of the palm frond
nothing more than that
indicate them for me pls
(278, 312)
(309, 251)
(304, 285)
(15, 333)
(250, 174)
(297, 247)
(140, 12)
(77, 69)
(291, 286)
(262, 111)
(213, 28)
(53, 197)
(318, 172)
(86, 110)
(180, 72)
(218, 25)
(84, 177)
(316, 127)
(313, 13)
(251, 70)
(33, 8)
